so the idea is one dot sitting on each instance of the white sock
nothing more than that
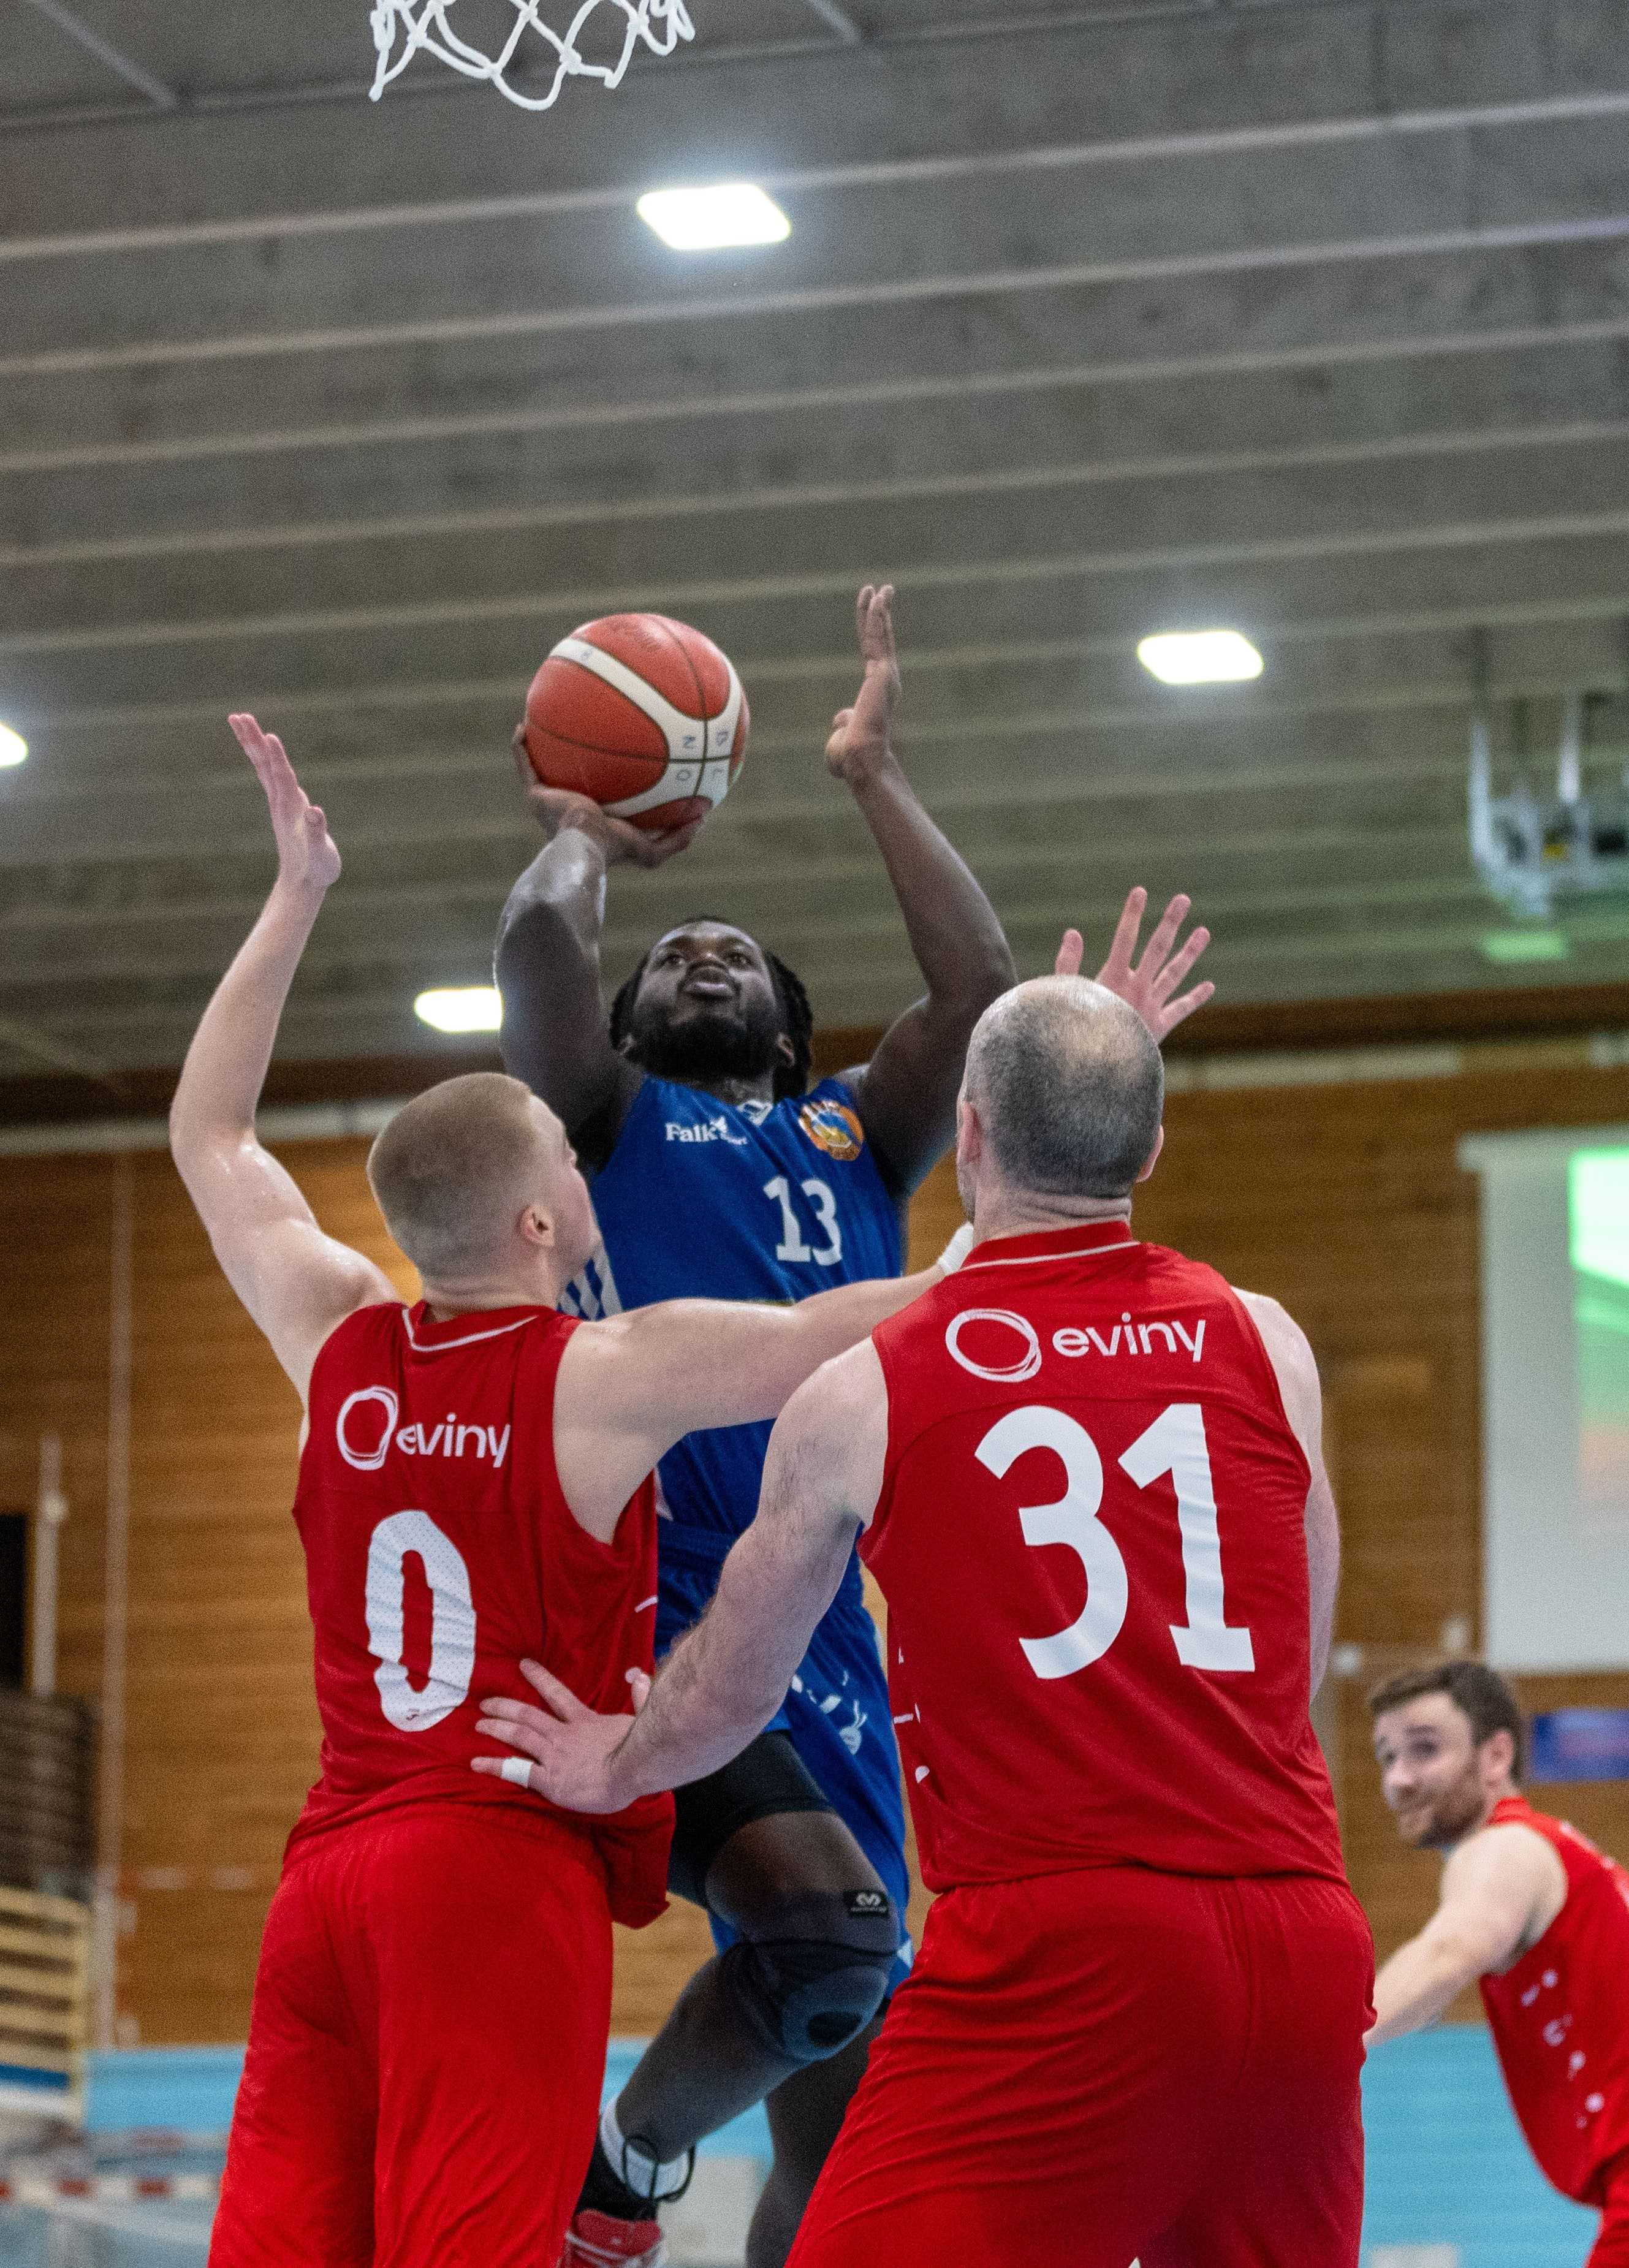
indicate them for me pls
(646, 2176)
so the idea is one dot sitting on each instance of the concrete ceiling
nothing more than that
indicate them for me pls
(1312, 318)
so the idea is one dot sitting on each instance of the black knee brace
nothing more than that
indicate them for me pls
(814, 1970)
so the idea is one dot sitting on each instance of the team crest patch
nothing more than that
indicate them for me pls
(834, 1128)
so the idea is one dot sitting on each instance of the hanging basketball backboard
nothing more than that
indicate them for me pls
(532, 60)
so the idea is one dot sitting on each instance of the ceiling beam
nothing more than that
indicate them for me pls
(667, 595)
(802, 402)
(902, 290)
(134, 74)
(400, 695)
(879, 174)
(26, 1039)
(592, 511)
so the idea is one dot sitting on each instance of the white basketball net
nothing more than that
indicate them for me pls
(401, 28)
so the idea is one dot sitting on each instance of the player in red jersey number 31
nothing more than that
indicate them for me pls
(1090, 1483)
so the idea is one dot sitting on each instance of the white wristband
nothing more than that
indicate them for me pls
(956, 1251)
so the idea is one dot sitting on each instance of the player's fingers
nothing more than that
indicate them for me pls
(494, 1765)
(530, 1742)
(560, 1699)
(1125, 930)
(1165, 934)
(877, 635)
(1071, 953)
(249, 738)
(502, 1710)
(1180, 962)
(639, 1687)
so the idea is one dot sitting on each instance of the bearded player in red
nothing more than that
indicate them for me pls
(428, 2036)
(1531, 1911)
(1089, 1481)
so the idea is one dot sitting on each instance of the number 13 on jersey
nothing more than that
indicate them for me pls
(1174, 1444)
(793, 1245)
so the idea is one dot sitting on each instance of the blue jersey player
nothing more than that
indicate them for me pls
(718, 1171)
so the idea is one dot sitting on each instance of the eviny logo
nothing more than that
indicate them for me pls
(1027, 1361)
(448, 1439)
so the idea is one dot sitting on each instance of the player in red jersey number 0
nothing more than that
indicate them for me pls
(1089, 1481)
(428, 2034)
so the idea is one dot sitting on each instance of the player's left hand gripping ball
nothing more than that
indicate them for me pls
(567, 1753)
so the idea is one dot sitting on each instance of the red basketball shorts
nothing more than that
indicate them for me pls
(426, 2048)
(1096, 2066)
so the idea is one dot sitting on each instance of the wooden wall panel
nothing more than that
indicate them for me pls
(1344, 1201)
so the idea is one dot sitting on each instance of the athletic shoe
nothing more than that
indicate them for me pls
(597, 2240)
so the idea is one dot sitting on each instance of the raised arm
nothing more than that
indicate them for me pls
(1499, 1890)
(554, 1035)
(633, 1385)
(906, 1095)
(725, 1679)
(1296, 1370)
(297, 1283)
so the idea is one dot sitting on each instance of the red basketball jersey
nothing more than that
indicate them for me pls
(1091, 1537)
(440, 1550)
(1560, 2017)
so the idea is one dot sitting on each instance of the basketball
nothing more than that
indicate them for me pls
(644, 715)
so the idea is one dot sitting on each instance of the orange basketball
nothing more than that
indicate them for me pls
(642, 714)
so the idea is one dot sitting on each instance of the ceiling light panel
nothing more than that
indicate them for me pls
(1200, 658)
(461, 1008)
(710, 219)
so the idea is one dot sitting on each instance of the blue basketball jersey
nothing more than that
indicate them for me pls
(703, 1199)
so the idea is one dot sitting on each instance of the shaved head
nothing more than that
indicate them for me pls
(458, 1166)
(1069, 1088)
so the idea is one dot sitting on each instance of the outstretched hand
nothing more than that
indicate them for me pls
(859, 741)
(623, 843)
(1149, 984)
(573, 1748)
(307, 858)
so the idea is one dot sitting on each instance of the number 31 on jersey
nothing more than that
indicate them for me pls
(1174, 1444)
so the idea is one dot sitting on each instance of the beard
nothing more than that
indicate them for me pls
(1450, 1816)
(710, 1047)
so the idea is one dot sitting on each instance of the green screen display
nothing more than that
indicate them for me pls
(1598, 1227)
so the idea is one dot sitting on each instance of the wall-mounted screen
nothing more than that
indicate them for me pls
(1555, 1397)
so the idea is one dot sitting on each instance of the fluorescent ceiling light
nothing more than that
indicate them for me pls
(1512, 944)
(13, 747)
(1199, 657)
(706, 220)
(461, 1008)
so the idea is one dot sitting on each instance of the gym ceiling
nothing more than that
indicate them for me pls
(1309, 319)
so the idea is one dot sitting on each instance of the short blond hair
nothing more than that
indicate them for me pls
(454, 1167)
